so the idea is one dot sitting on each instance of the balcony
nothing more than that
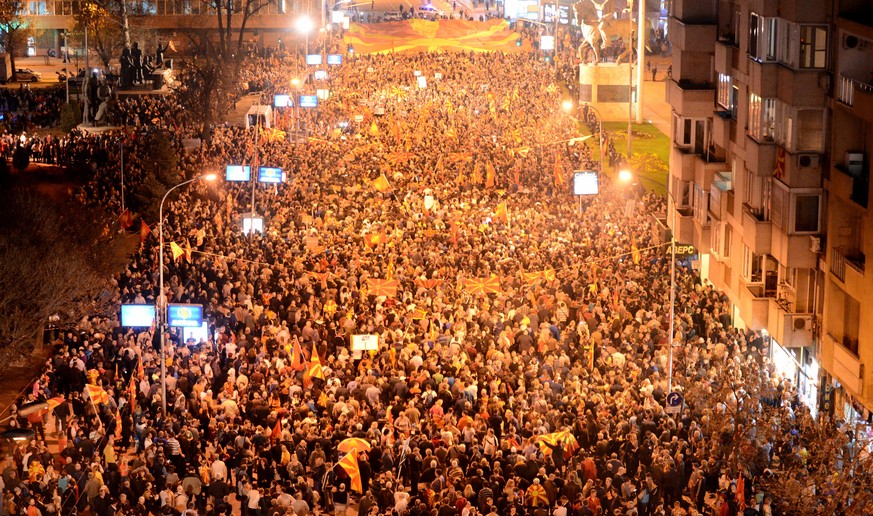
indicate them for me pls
(760, 156)
(691, 99)
(692, 37)
(847, 265)
(845, 365)
(757, 232)
(857, 95)
(754, 306)
(726, 57)
(850, 186)
(682, 163)
(799, 88)
(684, 226)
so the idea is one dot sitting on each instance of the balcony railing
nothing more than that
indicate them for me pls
(846, 90)
(842, 258)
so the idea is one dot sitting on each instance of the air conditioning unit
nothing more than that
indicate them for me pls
(855, 163)
(850, 41)
(802, 323)
(815, 244)
(807, 160)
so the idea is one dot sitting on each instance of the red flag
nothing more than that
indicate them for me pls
(490, 175)
(559, 173)
(276, 434)
(125, 219)
(296, 357)
(144, 231)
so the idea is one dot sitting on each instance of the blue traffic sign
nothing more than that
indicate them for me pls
(674, 403)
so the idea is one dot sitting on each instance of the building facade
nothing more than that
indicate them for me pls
(772, 114)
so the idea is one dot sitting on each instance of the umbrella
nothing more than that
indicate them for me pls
(489, 285)
(353, 444)
(382, 287)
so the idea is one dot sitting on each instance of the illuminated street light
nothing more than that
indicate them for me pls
(625, 176)
(161, 311)
(304, 25)
(567, 105)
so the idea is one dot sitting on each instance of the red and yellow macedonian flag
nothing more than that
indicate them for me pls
(350, 465)
(96, 393)
(490, 285)
(382, 287)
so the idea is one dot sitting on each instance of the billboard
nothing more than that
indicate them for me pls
(282, 101)
(308, 101)
(585, 182)
(238, 173)
(313, 59)
(270, 175)
(137, 316)
(547, 42)
(563, 13)
(334, 59)
(180, 316)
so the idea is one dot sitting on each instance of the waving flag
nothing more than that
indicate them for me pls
(382, 287)
(531, 277)
(563, 438)
(296, 357)
(502, 213)
(490, 175)
(396, 158)
(490, 285)
(559, 172)
(144, 231)
(635, 252)
(96, 393)
(429, 284)
(125, 219)
(315, 370)
(549, 274)
(349, 463)
(381, 183)
(176, 250)
(455, 157)
(371, 239)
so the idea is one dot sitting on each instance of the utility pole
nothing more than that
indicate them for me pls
(641, 54)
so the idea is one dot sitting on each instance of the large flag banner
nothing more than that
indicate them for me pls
(490, 285)
(176, 250)
(418, 35)
(382, 287)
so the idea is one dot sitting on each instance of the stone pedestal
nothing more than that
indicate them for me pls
(605, 86)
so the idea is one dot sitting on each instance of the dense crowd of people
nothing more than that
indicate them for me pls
(543, 393)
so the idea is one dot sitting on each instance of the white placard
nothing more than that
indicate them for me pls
(417, 73)
(359, 119)
(365, 342)
(438, 76)
(422, 82)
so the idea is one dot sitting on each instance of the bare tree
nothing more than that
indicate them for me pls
(227, 11)
(57, 261)
(751, 428)
(15, 28)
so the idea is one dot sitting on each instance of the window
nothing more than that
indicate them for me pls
(813, 46)
(724, 91)
(701, 205)
(691, 133)
(753, 266)
(681, 192)
(806, 213)
(762, 38)
(735, 100)
(728, 241)
(762, 118)
(754, 34)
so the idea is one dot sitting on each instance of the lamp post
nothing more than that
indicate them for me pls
(304, 25)
(161, 309)
(625, 176)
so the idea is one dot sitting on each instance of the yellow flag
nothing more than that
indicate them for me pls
(501, 213)
(635, 252)
(176, 250)
(374, 129)
(381, 183)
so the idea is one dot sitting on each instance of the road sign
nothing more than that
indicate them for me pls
(674, 403)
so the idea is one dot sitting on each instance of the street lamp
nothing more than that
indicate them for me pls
(162, 306)
(625, 176)
(304, 25)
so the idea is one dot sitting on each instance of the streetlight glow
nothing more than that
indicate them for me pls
(625, 175)
(567, 105)
(303, 25)
(210, 177)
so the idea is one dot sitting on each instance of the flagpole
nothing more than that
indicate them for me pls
(96, 413)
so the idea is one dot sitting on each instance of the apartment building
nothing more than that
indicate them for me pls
(274, 19)
(750, 95)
